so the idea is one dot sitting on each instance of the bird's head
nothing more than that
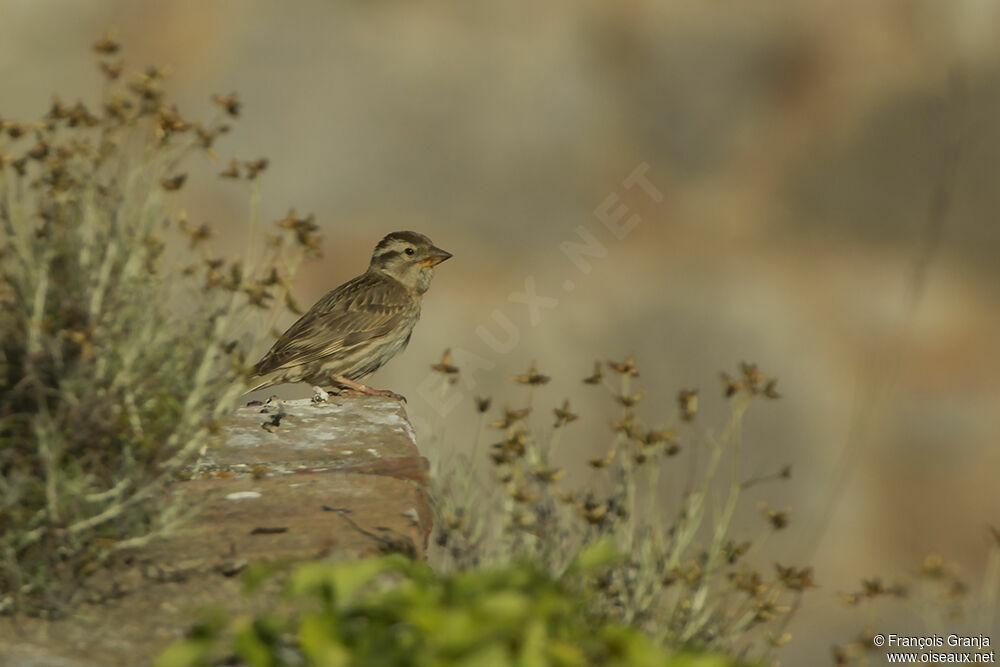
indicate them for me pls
(408, 257)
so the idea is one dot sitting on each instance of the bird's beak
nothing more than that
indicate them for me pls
(435, 256)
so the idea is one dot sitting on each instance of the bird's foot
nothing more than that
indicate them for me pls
(368, 391)
(352, 388)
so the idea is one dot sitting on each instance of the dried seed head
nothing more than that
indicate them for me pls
(515, 442)
(154, 73)
(483, 404)
(257, 294)
(626, 367)
(56, 111)
(206, 138)
(732, 550)
(174, 183)
(272, 278)
(770, 389)
(14, 130)
(731, 386)
(778, 520)
(751, 380)
(230, 103)
(653, 436)
(118, 107)
(39, 151)
(628, 426)
(510, 417)
(629, 401)
(546, 474)
(532, 377)
(794, 579)
(147, 88)
(445, 366)
(169, 122)
(750, 372)
(79, 115)
(748, 580)
(563, 414)
(597, 376)
(599, 462)
(872, 588)
(687, 400)
(304, 229)
(107, 44)
(195, 235)
(594, 513)
(565, 497)
(522, 495)
(233, 171)
(111, 70)
(255, 167)
(500, 456)
(766, 610)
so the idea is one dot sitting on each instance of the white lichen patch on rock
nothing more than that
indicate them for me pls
(343, 431)
(243, 495)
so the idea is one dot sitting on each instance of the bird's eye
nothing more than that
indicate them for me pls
(409, 251)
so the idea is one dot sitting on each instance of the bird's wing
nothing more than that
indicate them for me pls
(361, 309)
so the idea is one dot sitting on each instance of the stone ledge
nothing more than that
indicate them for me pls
(287, 435)
(286, 475)
(330, 480)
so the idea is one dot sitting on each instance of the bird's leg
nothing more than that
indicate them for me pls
(363, 389)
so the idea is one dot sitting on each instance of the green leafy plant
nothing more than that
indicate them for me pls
(120, 346)
(394, 611)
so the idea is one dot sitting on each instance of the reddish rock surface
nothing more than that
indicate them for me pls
(294, 480)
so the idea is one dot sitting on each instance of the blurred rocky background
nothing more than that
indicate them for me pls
(813, 188)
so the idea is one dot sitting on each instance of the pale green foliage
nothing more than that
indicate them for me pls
(393, 611)
(116, 361)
